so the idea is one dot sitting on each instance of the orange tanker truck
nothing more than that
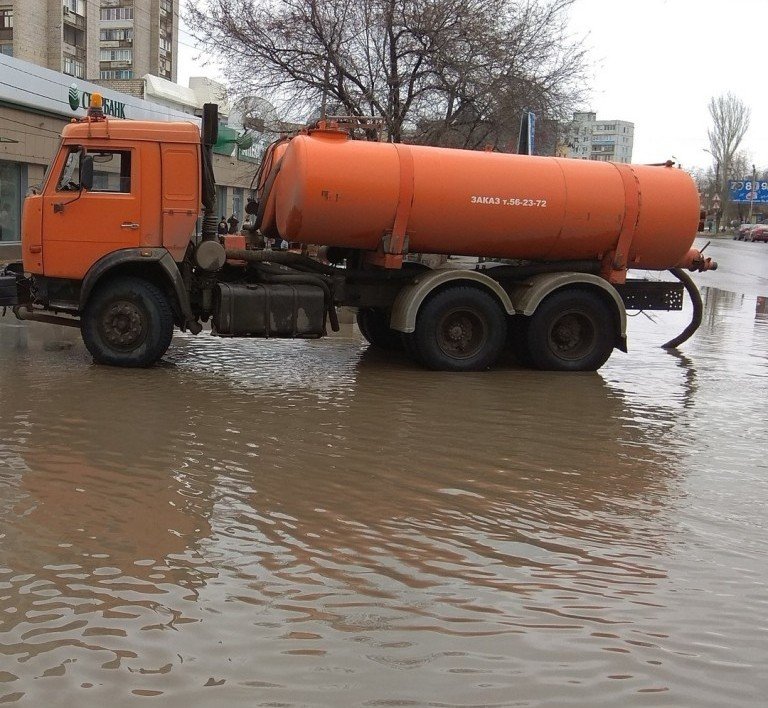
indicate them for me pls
(111, 245)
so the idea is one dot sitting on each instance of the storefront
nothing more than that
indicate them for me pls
(13, 180)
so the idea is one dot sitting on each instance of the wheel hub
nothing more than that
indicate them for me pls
(572, 335)
(460, 334)
(123, 324)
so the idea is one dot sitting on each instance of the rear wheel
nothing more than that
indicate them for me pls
(572, 330)
(374, 326)
(460, 329)
(127, 322)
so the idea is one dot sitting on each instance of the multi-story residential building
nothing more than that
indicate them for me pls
(62, 35)
(138, 37)
(93, 39)
(587, 138)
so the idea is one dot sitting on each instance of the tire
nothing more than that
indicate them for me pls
(374, 326)
(572, 330)
(127, 322)
(460, 329)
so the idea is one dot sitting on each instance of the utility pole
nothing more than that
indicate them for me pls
(752, 193)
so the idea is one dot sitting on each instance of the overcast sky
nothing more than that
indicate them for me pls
(657, 63)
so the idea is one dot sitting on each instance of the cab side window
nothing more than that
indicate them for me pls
(70, 175)
(111, 171)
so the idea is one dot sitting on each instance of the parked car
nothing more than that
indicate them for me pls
(759, 233)
(744, 232)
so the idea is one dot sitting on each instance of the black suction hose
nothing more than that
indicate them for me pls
(294, 260)
(698, 309)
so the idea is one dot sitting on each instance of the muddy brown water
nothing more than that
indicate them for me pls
(314, 523)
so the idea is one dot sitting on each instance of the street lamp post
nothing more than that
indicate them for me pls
(752, 193)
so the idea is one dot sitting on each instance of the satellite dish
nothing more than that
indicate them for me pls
(259, 114)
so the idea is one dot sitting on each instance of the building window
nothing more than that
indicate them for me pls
(122, 34)
(221, 201)
(73, 67)
(74, 36)
(11, 174)
(237, 203)
(116, 74)
(6, 19)
(6, 49)
(76, 6)
(116, 13)
(116, 55)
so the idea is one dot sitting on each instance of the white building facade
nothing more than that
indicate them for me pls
(586, 138)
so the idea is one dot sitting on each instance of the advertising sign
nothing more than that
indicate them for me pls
(745, 190)
(31, 86)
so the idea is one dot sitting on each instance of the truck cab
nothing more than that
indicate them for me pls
(142, 192)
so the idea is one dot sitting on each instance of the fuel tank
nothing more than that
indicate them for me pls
(326, 188)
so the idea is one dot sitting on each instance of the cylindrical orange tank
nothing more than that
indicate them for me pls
(332, 190)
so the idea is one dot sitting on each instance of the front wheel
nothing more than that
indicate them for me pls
(572, 330)
(127, 322)
(460, 329)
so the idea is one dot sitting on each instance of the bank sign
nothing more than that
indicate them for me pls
(82, 99)
(25, 85)
(746, 190)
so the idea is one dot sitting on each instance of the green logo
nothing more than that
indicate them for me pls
(78, 99)
(74, 99)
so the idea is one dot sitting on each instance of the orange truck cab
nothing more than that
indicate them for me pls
(145, 194)
(122, 243)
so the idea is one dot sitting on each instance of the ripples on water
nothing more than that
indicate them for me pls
(294, 523)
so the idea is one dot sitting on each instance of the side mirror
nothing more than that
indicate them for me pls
(86, 172)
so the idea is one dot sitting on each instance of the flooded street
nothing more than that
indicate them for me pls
(312, 523)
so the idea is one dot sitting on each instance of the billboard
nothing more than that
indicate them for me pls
(745, 190)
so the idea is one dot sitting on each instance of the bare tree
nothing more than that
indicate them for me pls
(455, 72)
(730, 121)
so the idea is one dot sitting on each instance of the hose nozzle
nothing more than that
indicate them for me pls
(695, 261)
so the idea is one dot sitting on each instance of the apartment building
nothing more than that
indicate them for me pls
(62, 35)
(586, 138)
(93, 39)
(138, 37)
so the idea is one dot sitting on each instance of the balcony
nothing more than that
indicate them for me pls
(73, 19)
(74, 52)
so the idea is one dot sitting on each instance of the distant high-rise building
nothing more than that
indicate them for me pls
(138, 37)
(94, 39)
(587, 138)
(58, 34)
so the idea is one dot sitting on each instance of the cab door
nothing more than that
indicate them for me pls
(82, 225)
